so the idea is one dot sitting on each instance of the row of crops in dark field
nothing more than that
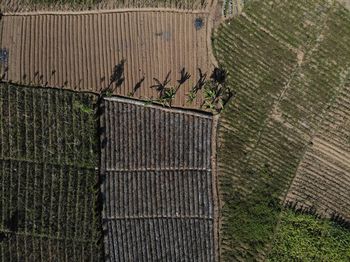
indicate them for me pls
(49, 181)
(45, 125)
(288, 61)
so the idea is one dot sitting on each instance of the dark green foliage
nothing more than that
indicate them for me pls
(48, 160)
(302, 237)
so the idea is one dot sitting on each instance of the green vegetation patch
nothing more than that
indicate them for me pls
(287, 61)
(302, 237)
(48, 176)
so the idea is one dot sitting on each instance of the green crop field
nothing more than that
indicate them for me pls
(287, 61)
(48, 160)
(302, 237)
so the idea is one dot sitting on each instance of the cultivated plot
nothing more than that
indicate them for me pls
(158, 185)
(288, 61)
(48, 176)
(322, 181)
(79, 51)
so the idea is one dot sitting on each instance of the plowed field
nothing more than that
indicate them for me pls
(79, 51)
(158, 187)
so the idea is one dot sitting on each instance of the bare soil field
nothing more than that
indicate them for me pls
(322, 181)
(158, 186)
(11, 6)
(79, 51)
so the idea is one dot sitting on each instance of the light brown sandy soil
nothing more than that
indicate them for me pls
(79, 51)
(322, 181)
(346, 3)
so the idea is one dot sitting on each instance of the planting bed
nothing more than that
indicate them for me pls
(79, 51)
(288, 61)
(48, 176)
(159, 189)
(322, 181)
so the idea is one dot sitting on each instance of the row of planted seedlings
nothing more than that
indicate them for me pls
(44, 124)
(20, 247)
(49, 183)
(45, 199)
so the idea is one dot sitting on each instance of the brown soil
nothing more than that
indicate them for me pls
(78, 51)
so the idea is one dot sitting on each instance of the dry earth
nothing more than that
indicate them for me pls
(79, 50)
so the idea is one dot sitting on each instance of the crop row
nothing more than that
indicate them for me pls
(159, 194)
(139, 137)
(48, 175)
(47, 199)
(158, 186)
(160, 240)
(322, 180)
(43, 125)
(22, 247)
(286, 74)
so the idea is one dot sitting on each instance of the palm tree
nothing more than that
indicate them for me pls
(161, 86)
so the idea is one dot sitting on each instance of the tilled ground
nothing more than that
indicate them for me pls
(79, 51)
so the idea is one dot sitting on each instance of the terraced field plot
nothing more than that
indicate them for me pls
(79, 51)
(10, 6)
(48, 176)
(323, 176)
(159, 190)
(289, 63)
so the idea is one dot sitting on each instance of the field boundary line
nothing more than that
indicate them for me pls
(157, 169)
(193, 112)
(110, 218)
(110, 11)
(216, 191)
